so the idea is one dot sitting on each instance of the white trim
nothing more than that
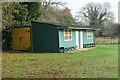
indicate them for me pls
(71, 35)
(68, 40)
(77, 40)
(79, 28)
(89, 33)
(81, 39)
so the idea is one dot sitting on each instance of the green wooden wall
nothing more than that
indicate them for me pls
(44, 37)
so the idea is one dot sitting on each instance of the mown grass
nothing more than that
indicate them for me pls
(100, 62)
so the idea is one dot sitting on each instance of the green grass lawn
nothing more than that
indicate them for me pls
(100, 62)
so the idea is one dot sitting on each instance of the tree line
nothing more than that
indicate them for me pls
(22, 13)
(94, 15)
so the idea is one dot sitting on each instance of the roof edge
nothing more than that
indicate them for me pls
(65, 26)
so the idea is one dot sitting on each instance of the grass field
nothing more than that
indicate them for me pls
(100, 62)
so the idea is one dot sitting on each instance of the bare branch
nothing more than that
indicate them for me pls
(85, 15)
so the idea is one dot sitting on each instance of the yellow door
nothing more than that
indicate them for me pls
(21, 38)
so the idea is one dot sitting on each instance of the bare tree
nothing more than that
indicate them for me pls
(96, 13)
(81, 20)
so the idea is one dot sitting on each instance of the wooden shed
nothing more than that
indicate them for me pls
(47, 37)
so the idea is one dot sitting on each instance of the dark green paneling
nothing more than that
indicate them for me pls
(44, 37)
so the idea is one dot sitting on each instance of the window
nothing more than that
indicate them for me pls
(67, 35)
(89, 35)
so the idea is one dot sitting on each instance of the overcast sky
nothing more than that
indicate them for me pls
(76, 5)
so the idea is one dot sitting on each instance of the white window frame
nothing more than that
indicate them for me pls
(89, 34)
(67, 34)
